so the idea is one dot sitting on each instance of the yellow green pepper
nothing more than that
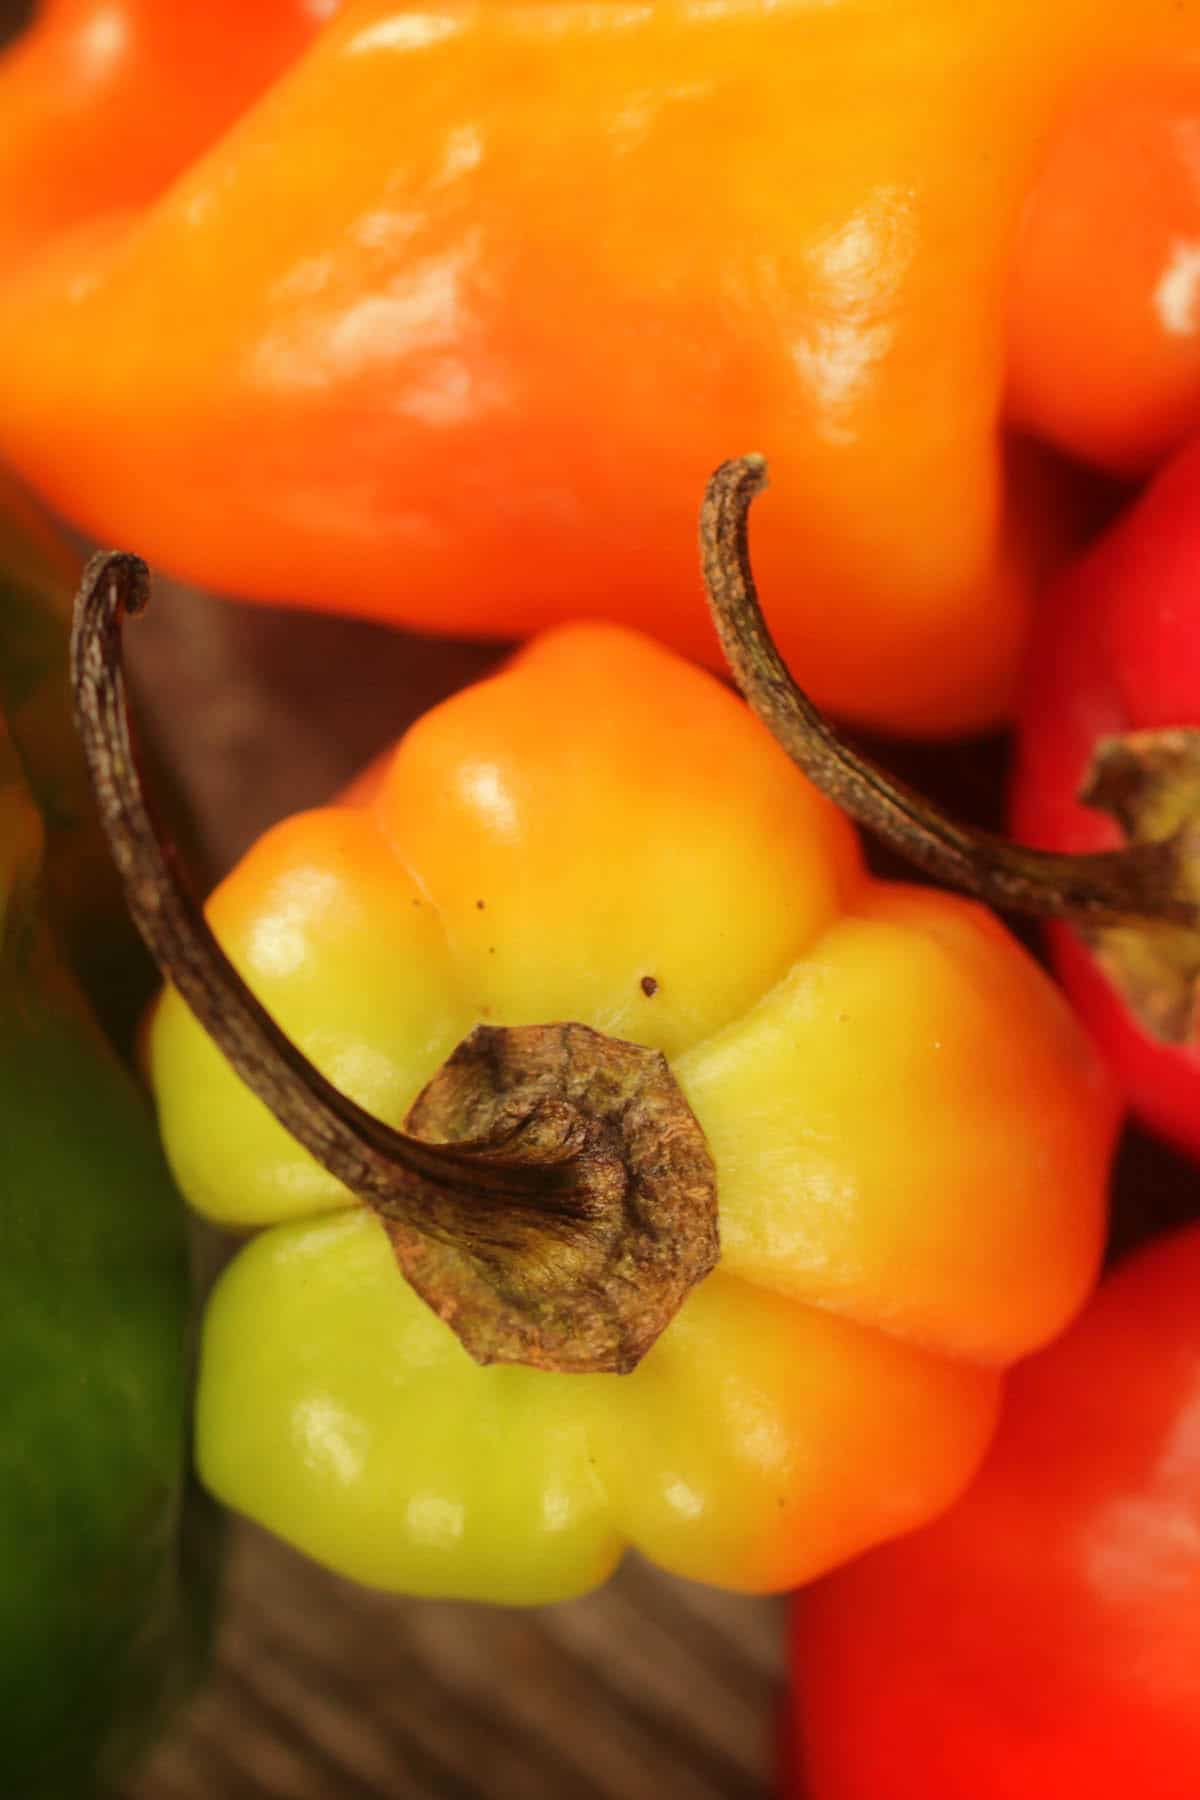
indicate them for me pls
(908, 1136)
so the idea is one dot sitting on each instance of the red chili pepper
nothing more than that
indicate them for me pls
(1117, 650)
(1042, 1640)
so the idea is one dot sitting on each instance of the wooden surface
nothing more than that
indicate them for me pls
(322, 1692)
(653, 1687)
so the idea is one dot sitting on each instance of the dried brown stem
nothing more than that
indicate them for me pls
(1146, 882)
(553, 1199)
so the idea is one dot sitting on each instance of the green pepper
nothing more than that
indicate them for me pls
(103, 1602)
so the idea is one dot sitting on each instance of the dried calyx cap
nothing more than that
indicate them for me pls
(1139, 906)
(1149, 781)
(552, 1197)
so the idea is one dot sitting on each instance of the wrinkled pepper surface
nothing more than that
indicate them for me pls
(104, 1601)
(1111, 707)
(1044, 1637)
(909, 1134)
(530, 271)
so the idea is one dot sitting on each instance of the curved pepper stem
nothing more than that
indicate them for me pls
(1146, 894)
(552, 1198)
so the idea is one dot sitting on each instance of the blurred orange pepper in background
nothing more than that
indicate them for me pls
(450, 327)
(105, 101)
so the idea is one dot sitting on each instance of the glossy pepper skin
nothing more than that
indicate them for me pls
(1103, 316)
(104, 102)
(1117, 650)
(531, 271)
(909, 1131)
(104, 1602)
(1043, 1638)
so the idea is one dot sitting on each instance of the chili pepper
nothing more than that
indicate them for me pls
(528, 271)
(104, 1583)
(600, 855)
(104, 102)
(1104, 300)
(1108, 745)
(1043, 1638)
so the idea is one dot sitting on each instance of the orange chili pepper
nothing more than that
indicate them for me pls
(1104, 306)
(480, 293)
(105, 101)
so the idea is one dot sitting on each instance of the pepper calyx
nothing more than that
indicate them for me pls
(627, 1214)
(1149, 782)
